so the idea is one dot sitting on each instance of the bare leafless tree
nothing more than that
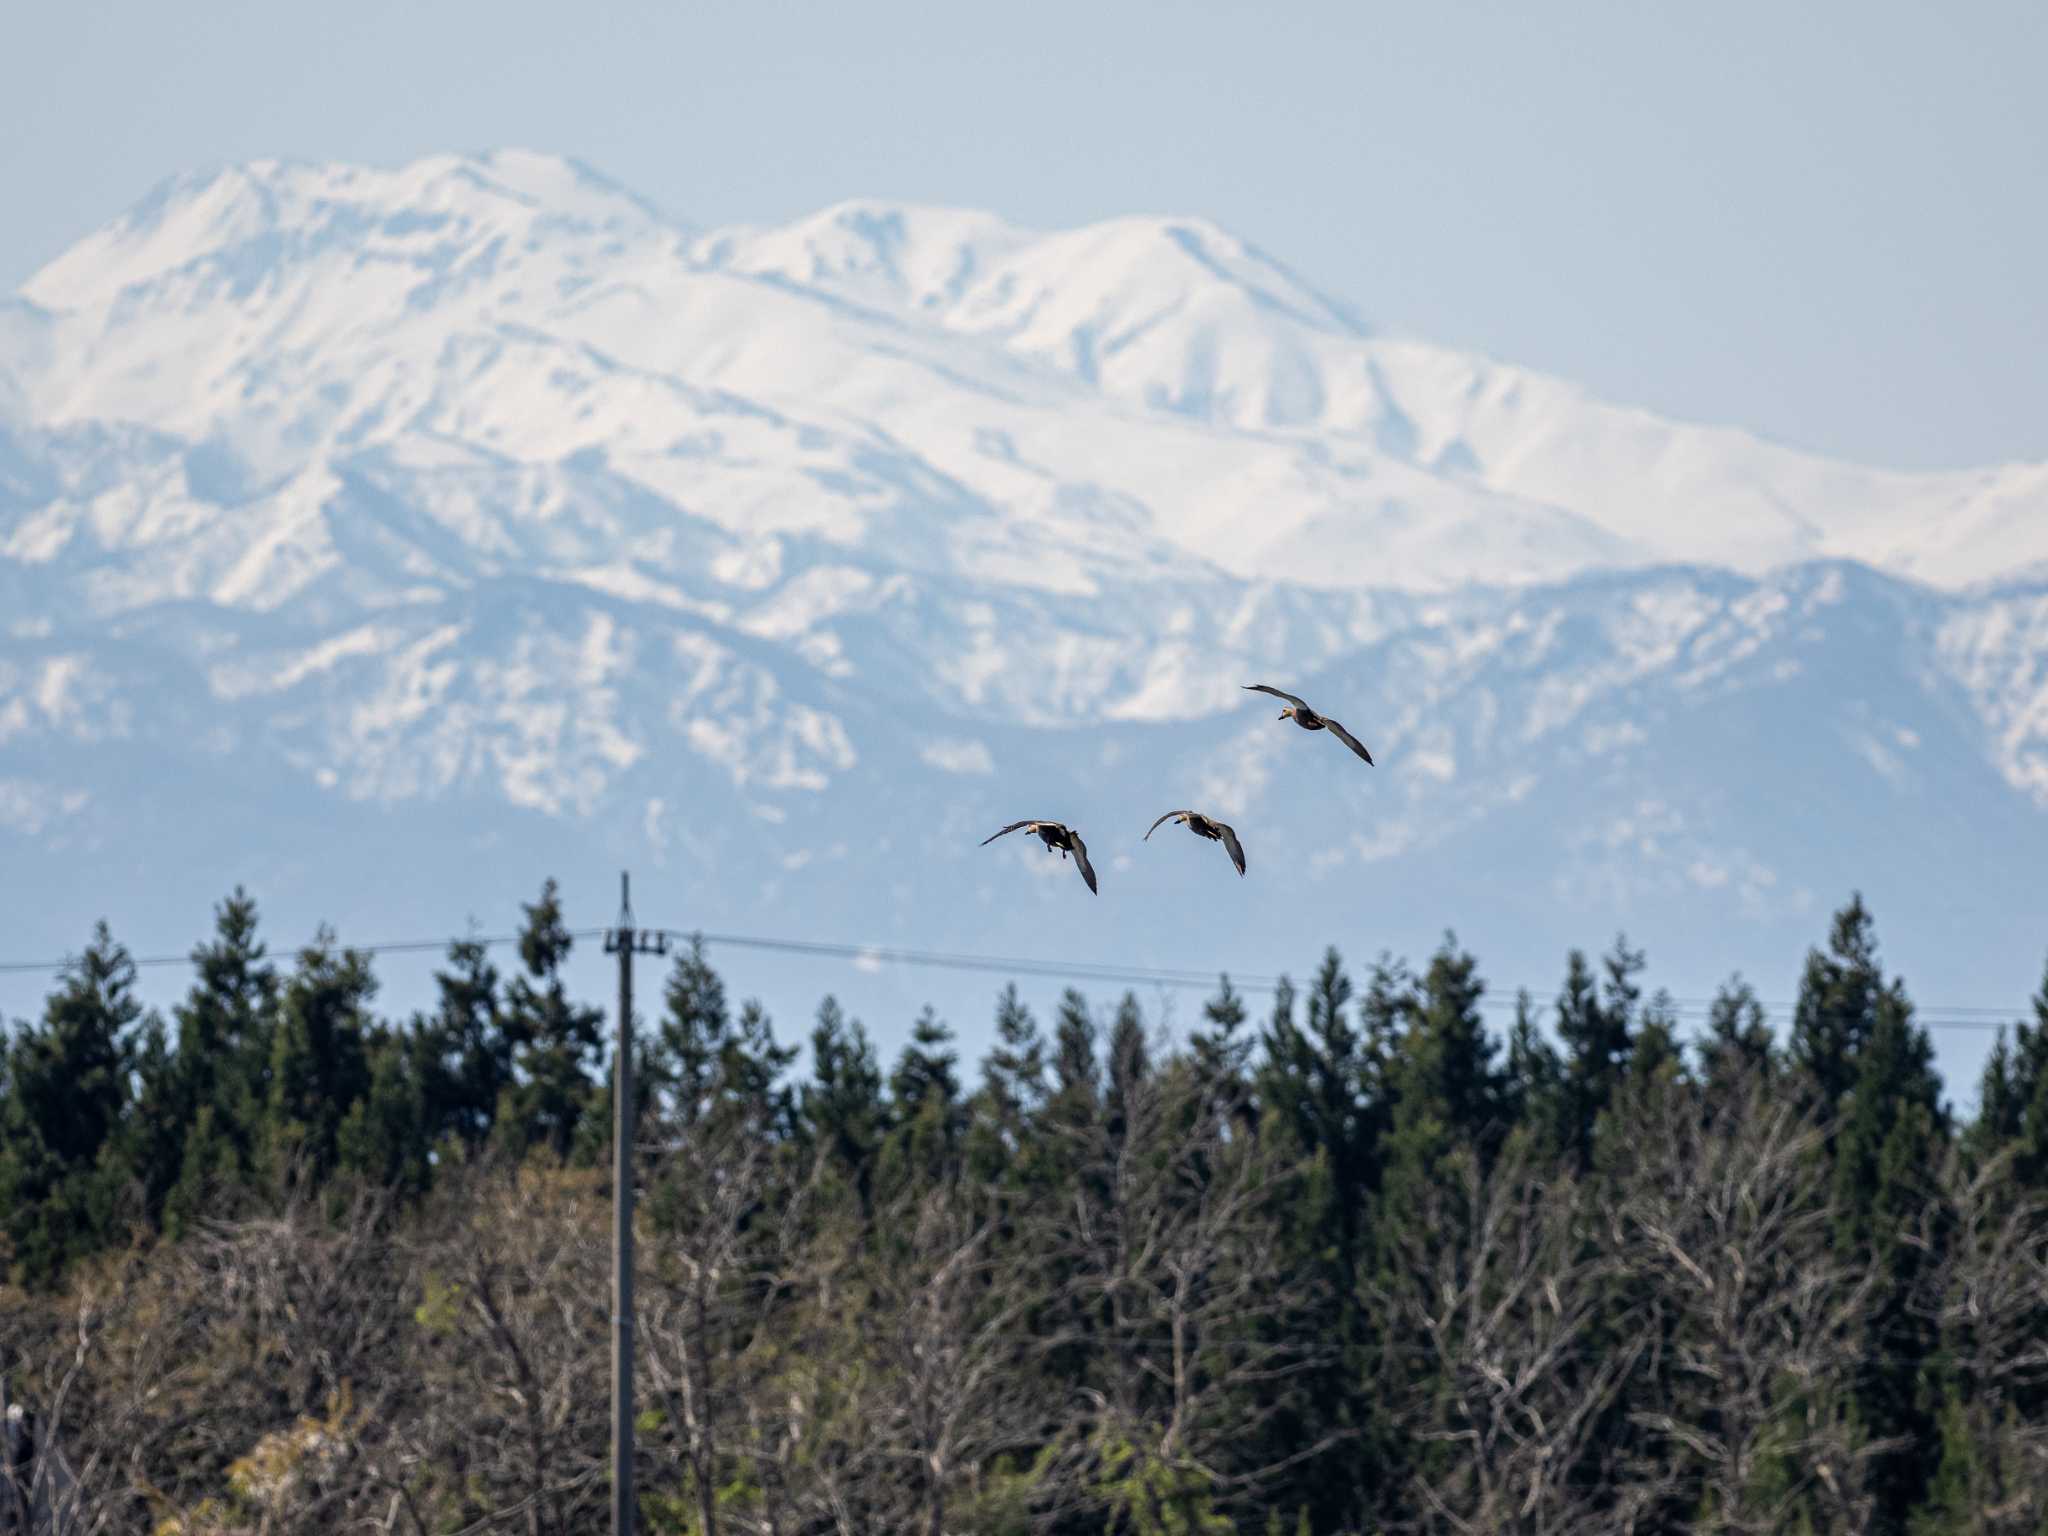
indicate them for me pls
(1992, 1306)
(221, 1380)
(41, 1489)
(724, 1260)
(1722, 1211)
(1172, 1242)
(949, 1349)
(511, 1269)
(1502, 1296)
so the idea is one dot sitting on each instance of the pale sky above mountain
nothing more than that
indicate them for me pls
(1821, 223)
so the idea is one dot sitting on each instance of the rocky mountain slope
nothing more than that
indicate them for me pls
(475, 519)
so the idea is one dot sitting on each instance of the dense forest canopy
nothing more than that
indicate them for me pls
(1345, 1262)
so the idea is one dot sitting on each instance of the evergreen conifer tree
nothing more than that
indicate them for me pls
(154, 1133)
(1129, 1063)
(1738, 1045)
(1656, 1062)
(1447, 1090)
(691, 1036)
(225, 1024)
(1013, 1086)
(1887, 1152)
(1077, 1083)
(67, 1089)
(1534, 1093)
(924, 1101)
(319, 1059)
(751, 1067)
(1596, 1028)
(464, 1054)
(842, 1107)
(1317, 1121)
(385, 1138)
(1837, 1006)
(556, 1042)
(2012, 1114)
(1221, 1053)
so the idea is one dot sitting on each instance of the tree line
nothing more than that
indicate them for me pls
(1344, 1263)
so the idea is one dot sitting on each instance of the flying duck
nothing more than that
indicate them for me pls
(1209, 827)
(1309, 720)
(1055, 835)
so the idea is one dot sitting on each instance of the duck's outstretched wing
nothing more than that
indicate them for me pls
(1230, 842)
(1348, 739)
(1081, 858)
(1167, 817)
(1013, 826)
(1268, 688)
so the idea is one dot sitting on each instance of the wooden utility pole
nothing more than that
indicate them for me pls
(625, 943)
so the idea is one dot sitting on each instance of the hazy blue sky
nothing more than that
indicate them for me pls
(1828, 223)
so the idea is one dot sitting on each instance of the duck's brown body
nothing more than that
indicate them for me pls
(1298, 711)
(1206, 826)
(1057, 837)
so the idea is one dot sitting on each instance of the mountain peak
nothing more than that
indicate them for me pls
(1034, 402)
(896, 255)
(977, 265)
(252, 214)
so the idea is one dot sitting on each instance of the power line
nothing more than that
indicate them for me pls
(1963, 1017)
(1071, 970)
(1686, 1009)
(384, 947)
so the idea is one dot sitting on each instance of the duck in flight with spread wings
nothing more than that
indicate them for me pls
(1054, 835)
(1209, 827)
(1309, 720)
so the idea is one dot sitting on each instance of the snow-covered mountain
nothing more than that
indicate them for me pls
(474, 518)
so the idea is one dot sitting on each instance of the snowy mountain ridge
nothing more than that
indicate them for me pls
(476, 510)
(1145, 391)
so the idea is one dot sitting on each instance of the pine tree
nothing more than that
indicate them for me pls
(1445, 1072)
(1656, 1060)
(463, 1054)
(68, 1087)
(385, 1137)
(1317, 1121)
(1013, 1086)
(1892, 1130)
(1129, 1064)
(1448, 1103)
(1837, 1006)
(924, 1102)
(1014, 1072)
(2012, 1115)
(1534, 1093)
(319, 1060)
(751, 1069)
(1991, 1412)
(1596, 1029)
(555, 1042)
(218, 1091)
(692, 1033)
(1221, 1055)
(1385, 1011)
(843, 1112)
(1077, 1084)
(155, 1133)
(1313, 1082)
(1447, 1118)
(1738, 1046)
